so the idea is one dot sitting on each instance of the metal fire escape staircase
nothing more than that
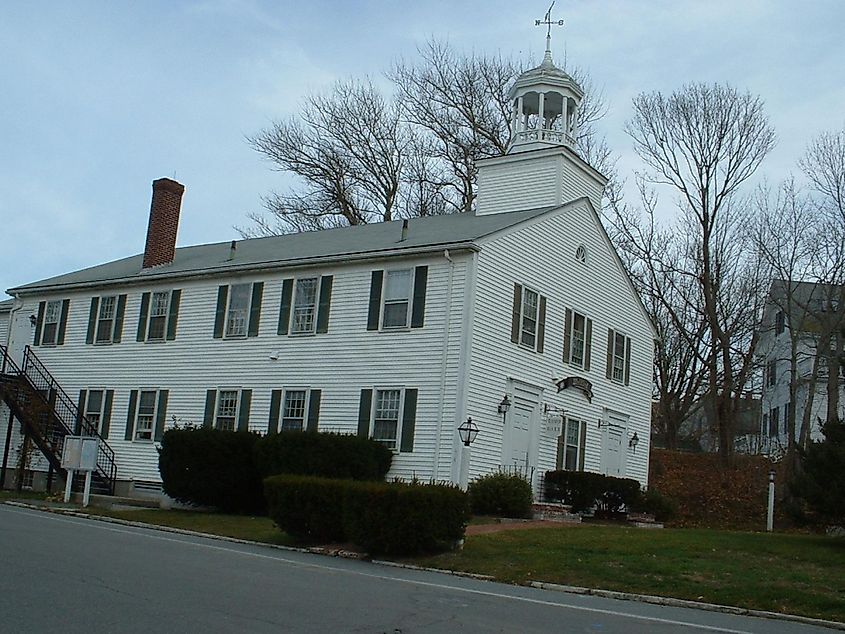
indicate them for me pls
(49, 415)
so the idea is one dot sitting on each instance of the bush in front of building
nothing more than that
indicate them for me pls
(325, 455)
(405, 519)
(383, 518)
(662, 507)
(211, 468)
(501, 495)
(584, 490)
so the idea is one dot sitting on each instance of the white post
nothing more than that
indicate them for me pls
(519, 119)
(87, 491)
(68, 485)
(541, 117)
(770, 518)
(466, 456)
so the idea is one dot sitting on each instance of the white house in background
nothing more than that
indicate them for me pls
(796, 310)
(399, 331)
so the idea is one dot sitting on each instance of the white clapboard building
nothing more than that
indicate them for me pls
(400, 331)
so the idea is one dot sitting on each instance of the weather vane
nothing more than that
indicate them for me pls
(549, 22)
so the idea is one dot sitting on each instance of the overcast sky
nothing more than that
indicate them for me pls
(99, 99)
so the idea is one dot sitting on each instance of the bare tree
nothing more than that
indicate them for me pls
(705, 141)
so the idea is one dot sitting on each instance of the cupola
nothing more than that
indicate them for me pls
(545, 103)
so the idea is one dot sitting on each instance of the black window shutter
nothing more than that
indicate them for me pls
(516, 312)
(142, 318)
(220, 313)
(173, 314)
(106, 420)
(255, 309)
(275, 408)
(409, 417)
(313, 410)
(83, 395)
(284, 308)
(130, 416)
(567, 336)
(541, 324)
(92, 319)
(39, 324)
(627, 360)
(118, 320)
(161, 414)
(420, 284)
(324, 307)
(588, 344)
(243, 410)
(375, 300)
(560, 451)
(582, 445)
(609, 373)
(364, 408)
(208, 417)
(63, 322)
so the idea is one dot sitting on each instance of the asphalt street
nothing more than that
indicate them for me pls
(63, 574)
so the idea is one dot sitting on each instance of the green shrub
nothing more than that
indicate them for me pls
(405, 519)
(306, 507)
(211, 468)
(325, 455)
(584, 490)
(820, 483)
(500, 494)
(661, 506)
(394, 518)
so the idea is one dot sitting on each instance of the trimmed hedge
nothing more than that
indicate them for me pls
(394, 518)
(211, 468)
(661, 506)
(501, 494)
(326, 455)
(584, 490)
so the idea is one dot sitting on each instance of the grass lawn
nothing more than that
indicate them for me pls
(796, 574)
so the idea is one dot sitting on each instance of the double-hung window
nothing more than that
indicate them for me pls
(159, 315)
(94, 409)
(771, 373)
(386, 416)
(305, 306)
(577, 344)
(226, 415)
(159, 306)
(571, 450)
(106, 319)
(618, 357)
(774, 421)
(145, 421)
(147, 411)
(528, 323)
(237, 312)
(52, 314)
(780, 322)
(294, 410)
(397, 299)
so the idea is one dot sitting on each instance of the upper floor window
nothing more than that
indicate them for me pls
(771, 373)
(305, 307)
(780, 322)
(51, 323)
(397, 299)
(577, 344)
(238, 310)
(159, 315)
(618, 357)
(528, 322)
(105, 319)
(581, 253)
(147, 412)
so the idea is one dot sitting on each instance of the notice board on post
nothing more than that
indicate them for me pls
(80, 453)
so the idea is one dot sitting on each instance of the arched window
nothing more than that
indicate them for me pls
(581, 253)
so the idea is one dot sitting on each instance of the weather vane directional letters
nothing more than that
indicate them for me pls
(549, 22)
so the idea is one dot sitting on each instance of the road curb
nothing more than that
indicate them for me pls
(541, 585)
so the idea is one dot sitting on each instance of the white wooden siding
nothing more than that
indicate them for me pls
(597, 289)
(340, 362)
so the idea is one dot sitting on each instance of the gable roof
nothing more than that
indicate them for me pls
(807, 304)
(425, 235)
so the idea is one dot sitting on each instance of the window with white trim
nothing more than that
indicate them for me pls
(94, 406)
(780, 322)
(226, 411)
(105, 319)
(578, 338)
(294, 410)
(237, 311)
(618, 358)
(570, 445)
(771, 372)
(396, 307)
(145, 415)
(52, 315)
(529, 316)
(304, 317)
(386, 416)
(159, 307)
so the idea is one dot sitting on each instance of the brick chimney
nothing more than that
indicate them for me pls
(164, 222)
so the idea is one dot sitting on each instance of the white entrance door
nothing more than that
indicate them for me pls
(521, 414)
(20, 335)
(613, 449)
(519, 447)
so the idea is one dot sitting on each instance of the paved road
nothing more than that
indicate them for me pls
(64, 574)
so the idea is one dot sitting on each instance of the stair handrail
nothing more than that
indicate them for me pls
(106, 463)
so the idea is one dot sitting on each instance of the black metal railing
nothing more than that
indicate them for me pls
(51, 413)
